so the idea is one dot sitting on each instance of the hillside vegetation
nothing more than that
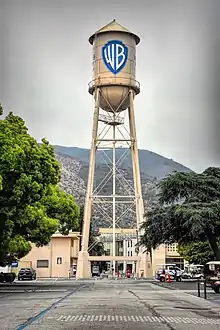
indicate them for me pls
(75, 163)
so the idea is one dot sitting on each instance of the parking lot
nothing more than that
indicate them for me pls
(110, 304)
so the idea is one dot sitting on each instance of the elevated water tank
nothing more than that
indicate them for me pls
(114, 66)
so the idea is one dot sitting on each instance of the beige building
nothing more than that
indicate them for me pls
(56, 258)
(166, 254)
(126, 240)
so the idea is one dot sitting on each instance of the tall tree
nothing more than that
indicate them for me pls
(32, 206)
(188, 211)
(196, 252)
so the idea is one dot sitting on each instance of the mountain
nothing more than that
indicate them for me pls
(75, 164)
(152, 164)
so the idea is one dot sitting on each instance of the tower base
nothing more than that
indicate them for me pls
(83, 266)
(144, 268)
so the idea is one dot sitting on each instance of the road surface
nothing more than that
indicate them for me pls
(103, 304)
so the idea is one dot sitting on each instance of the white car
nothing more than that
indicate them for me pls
(193, 272)
(171, 269)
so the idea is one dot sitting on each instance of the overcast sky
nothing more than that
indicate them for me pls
(45, 66)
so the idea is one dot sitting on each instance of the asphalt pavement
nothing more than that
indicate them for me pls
(191, 287)
(104, 304)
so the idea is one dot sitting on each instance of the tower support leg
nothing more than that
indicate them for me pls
(143, 265)
(83, 264)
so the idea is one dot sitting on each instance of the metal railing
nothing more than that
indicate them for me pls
(110, 119)
(114, 81)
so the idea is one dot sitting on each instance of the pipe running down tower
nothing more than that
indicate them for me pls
(114, 88)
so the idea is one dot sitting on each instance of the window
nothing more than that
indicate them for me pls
(171, 247)
(107, 252)
(128, 253)
(131, 253)
(179, 262)
(42, 263)
(130, 243)
(72, 242)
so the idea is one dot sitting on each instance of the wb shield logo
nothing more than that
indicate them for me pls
(115, 55)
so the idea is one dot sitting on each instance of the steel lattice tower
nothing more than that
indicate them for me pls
(114, 88)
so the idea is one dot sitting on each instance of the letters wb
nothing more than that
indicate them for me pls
(115, 55)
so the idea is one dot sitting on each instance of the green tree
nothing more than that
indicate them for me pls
(196, 252)
(96, 248)
(1, 113)
(188, 211)
(32, 206)
(0, 182)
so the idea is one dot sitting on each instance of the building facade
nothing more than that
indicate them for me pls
(59, 257)
(166, 254)
(126, 240)
(56, 259)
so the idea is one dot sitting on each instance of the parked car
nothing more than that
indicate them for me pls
(193, 271)
(8, 277)
(27, 274)
(168, 269)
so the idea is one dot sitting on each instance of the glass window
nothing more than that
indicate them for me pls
(42, 263)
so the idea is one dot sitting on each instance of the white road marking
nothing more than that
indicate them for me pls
(32, 290)
(137, 318)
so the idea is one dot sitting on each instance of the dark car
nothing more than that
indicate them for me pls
(27, 274)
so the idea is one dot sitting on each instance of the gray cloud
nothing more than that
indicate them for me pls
(45, 65)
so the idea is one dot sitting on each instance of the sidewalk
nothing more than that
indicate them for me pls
(200, 303)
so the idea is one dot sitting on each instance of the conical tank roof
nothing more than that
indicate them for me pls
(112, 27)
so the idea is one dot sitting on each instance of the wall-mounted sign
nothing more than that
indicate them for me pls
(115, 55)
(14, 264)
(59, 260)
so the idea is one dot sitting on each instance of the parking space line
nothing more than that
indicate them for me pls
(39, 315)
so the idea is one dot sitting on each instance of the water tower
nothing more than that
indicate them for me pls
(114, 88)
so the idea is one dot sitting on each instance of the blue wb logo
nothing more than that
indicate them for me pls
(115, 55)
